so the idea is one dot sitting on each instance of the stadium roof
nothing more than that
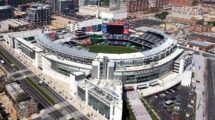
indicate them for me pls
(45, 41)
(24, 34)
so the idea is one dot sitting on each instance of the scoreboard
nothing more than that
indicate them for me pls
(115, 28)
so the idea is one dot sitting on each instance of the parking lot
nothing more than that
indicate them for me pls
(178, 100)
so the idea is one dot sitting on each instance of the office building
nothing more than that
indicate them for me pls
(89, 2)
(2, 3)
(6, 12)
(63, 6)
(39, 14)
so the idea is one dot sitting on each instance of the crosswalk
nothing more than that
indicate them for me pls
(19, 75)
(24, 76)
(45, 114)
(17, 72)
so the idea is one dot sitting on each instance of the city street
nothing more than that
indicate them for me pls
(210, 90)
(34, 93)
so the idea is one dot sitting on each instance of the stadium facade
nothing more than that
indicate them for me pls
(101, 77)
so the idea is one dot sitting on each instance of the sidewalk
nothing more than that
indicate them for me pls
(198, 82)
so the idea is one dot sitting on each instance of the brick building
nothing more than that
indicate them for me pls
(208, 4)
(20, 109)
(200, 28)
(184, 2)
(23, 109)
(199, 45)
(185, 19)
(145, 5)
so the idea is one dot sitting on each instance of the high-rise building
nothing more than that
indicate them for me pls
(39, 14)
(13, 2)
(63, 6)
(6, 12)
(16, 2)
(2, 3)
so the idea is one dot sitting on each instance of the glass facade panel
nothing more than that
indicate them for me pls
(63, 69)
(100, 106)
(81, 93)
(149, 74)
(27, 51)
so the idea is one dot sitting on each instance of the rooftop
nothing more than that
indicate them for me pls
(107, 90)
(5, 7)
(199, 43)
(39, 6)
(184, 16)
(15, 22)
(24, 34)
(14, 90)
(25, 104)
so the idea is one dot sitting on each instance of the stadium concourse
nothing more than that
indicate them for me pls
(100, 78)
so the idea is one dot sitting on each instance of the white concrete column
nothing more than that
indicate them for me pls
(87, 96)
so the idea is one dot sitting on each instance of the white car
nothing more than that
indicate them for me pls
(41, 82)
(2, 62)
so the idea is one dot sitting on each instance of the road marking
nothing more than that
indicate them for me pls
(46, 111)
(24, 76)
(17, 72)
(76, 115)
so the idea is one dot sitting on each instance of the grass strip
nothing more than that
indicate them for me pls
(131, 114)
(40, 90)
(151, 113)
(8, 60)
(15, 67)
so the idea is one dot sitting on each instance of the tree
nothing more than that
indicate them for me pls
(2, 88)
(22, 97)
(211, 23)
(105, 2)
(162, 15)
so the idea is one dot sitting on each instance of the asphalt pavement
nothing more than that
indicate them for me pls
(210, 90)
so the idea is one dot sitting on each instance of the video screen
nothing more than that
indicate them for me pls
(115, 29)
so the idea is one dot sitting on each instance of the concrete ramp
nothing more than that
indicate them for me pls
(137, 106)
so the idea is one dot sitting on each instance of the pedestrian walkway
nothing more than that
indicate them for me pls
(198, 82)
(137, 106)
(165, 83)
(25, 76)
(17, 72)
(45, 112)
(76, 115)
